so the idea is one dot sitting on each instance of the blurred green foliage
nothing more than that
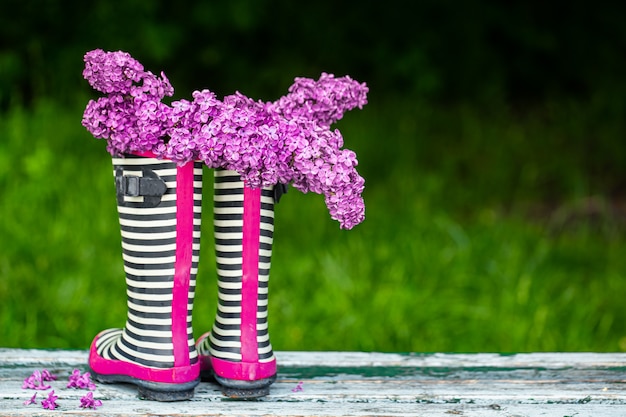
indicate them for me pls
(477, 49)
(492, 147)
(445, 260)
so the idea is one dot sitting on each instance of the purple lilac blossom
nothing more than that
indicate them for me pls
(287, 141)
(36, 381)
(110, 72)
(47, 375)
(324, 101)
(131, 116)
(186, 129)
(118, 72)
(31, 400)
(319, 165)
(87, 401)
(50, 402)
(81, 381)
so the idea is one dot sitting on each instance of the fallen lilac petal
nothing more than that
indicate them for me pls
(32, 400)
(87, 401)
(50, 402)
(28, 383)
(76, 380)
(47, 376)
(73, 378)
(35, 381)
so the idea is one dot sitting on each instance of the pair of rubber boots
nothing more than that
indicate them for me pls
(159, 206)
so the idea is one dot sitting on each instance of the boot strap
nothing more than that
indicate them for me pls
(149, 186)
(279, 190)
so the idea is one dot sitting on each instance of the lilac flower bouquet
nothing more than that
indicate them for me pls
(289, 141)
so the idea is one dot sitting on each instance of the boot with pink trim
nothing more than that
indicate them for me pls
(237, 352)
(159, 206)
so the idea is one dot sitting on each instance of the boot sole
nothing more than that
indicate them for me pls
(155, 391)
(245, 390)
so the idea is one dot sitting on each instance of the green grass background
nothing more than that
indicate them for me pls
(488, 228)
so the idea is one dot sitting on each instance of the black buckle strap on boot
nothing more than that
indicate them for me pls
(149, 186)
(279, 190)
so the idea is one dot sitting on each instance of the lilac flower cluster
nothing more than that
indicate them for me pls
(286, 141)
(131, 116)
(324, 101)
(76, 380)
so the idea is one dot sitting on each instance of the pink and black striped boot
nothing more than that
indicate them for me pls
(159, 206)
(237, 352)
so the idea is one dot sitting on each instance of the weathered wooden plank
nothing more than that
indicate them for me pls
(30, 357)
(359, 384)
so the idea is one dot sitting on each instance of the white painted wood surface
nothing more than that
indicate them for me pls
(360, 384)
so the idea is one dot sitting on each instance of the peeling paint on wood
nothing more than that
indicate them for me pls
(360, 384)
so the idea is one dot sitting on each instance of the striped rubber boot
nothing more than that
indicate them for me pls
(159, 206)
(237, 352)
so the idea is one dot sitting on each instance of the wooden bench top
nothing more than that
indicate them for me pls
(359, 384)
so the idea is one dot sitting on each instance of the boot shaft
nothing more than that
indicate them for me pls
(243, 228)
(159, 206)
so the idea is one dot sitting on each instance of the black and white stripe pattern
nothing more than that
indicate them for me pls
(225, 341)
(149, 253)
